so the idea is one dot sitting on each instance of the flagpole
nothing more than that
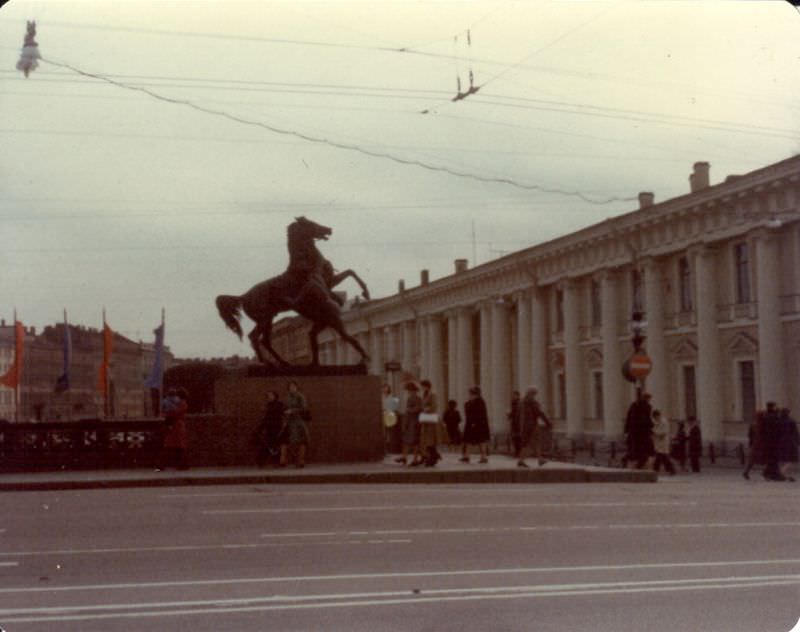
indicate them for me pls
(161, 381)
(18, 370)
(69, 390)
(105, 369)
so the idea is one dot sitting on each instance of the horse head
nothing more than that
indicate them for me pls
(303, 227)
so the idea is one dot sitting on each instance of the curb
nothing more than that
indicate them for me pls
(533, 476)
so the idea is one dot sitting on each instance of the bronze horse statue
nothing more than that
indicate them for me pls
(306, 288)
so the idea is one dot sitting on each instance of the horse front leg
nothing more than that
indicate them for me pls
(316, 328)
(341, 276)
(254, 337)
(266, 341)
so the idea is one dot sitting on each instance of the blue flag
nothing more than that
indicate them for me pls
(62, 383)
(154, 379)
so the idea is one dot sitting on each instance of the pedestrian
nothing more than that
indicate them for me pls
(174, 448)
(755, 441)
(476, 426)
(514, 423)
(391, 404)
(679, 441)
(294, 435)
(452, 421)
(661, 443)
(530, 433)
(772, 443)
(413, 408)
(639, 431)
(695, 443)
(268, 433)
(431, 428)
(789, 445)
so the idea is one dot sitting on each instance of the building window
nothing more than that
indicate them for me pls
(596, 301)
(559, 309)
(747, 388)
(562, 395)
(637, 290)
(597, 394)
(689, 392)
(741, 257)
(685, 284)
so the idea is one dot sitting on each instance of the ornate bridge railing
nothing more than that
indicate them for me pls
(85, 444)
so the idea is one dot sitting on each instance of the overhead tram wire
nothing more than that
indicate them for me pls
(337, 145)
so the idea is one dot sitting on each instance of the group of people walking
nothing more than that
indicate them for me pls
(773, 439)
(649, 444)
(283, 431)
(423, 431)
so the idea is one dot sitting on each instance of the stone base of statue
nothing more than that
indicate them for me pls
(345, 403)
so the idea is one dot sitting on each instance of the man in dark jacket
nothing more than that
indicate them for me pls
(531, 413)
(639, 429)
(772, 442)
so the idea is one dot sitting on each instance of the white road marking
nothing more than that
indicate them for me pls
(483, 530)
(344, 600)
(420, 574)
(275, 510)
(9, 563)
(186, 547)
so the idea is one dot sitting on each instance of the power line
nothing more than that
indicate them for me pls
(337, 145)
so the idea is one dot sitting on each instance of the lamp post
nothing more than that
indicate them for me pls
(637, 367)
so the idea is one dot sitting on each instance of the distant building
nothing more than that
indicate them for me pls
(44, 362)
(715, 272)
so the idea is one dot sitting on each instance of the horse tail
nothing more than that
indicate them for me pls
(230, 310)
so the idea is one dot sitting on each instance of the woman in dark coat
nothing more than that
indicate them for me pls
(789, 445)
(452, 419)
(476, 426)
(411, 428)
(695, 444)
(269, 430)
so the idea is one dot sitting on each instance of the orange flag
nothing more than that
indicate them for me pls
(108, 343)
(11, 378)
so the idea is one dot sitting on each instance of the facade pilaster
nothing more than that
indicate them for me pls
(709, 388)
(486, 350)
(573, 368)
(408, 356)
(392, 351)
(539, 344)
(466, 356)
(613, 410)
(770, 332)
(452, 357)
(435, 359)
(376, 351)
(500, 355)
(655, 343)
(524, 330)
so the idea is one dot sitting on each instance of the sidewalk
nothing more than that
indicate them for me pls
(500, 469)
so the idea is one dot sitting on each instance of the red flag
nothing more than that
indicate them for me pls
(11, 378)
(108, 343)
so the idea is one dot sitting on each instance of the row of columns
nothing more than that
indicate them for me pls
(420, 344)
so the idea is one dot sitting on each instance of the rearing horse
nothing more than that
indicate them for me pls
(305, 287)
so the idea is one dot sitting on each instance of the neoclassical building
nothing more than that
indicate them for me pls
(716, 273)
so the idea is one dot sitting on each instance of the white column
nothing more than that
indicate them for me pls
(390, 336)
(573, 368)
(539, 339)
(613, 406)
(466, 356)
(407, 359)
(770, 345)
(452, 357)
(486, 349)
(422, 348)
(709, 391)
(376, 351)
(524, 355)
(654, 343)
(501, 368)
(435, 359)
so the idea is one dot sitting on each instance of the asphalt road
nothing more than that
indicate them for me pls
(708, 552)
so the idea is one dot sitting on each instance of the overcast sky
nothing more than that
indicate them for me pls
(112, 197)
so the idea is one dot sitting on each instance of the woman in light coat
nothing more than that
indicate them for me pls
(661, 443)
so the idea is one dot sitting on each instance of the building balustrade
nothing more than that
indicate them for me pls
(737, 311)
(86, 444)
(790, 304)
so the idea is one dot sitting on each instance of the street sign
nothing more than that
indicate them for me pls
(639, 365)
